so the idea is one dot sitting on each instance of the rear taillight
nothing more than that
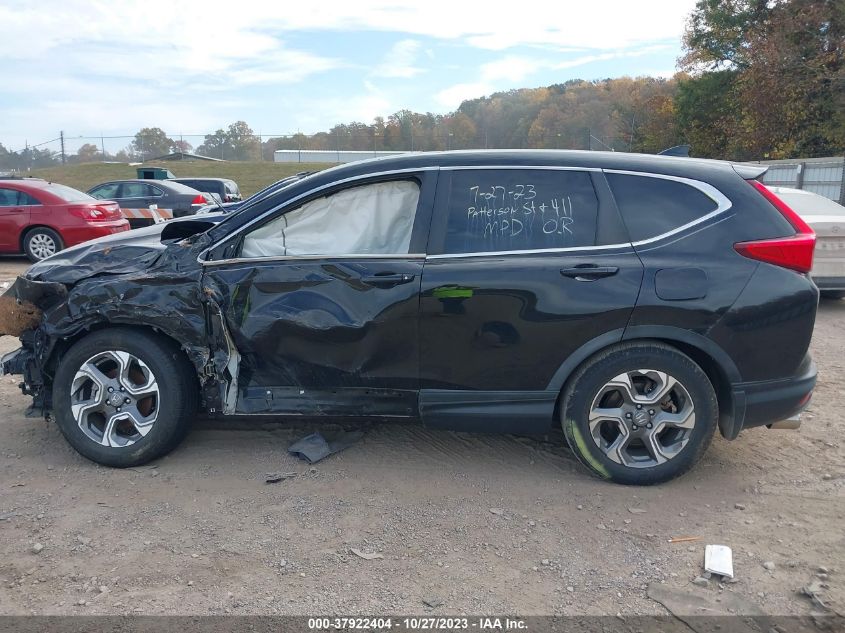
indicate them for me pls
(200, 199)
(96, 213)
(794, 252)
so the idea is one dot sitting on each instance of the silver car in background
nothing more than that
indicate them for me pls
(827, 219)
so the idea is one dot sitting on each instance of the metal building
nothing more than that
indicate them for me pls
(326, 156)
(824, 176)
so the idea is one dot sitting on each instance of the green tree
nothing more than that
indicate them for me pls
(706, 113)
(87, 153)
(719, 31)
(150, 142)
(242, 142)
(216, 145)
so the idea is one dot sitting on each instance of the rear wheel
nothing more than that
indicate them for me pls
(123, 397)
(40, 243)
(639, 413)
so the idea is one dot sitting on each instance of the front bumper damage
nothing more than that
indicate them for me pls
(13, 362)
(164, 295)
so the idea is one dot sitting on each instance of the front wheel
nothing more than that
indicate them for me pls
(123, 397)
(639, 413)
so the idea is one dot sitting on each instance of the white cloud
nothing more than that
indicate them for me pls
(517, 68)
(510, 68)
(215, 30)
(121, 62)
(452, 96)
(399, 61)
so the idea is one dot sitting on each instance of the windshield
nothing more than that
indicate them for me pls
(267, 191)
(68, 194)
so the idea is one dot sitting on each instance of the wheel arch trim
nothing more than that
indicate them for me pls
(719, 367)
(31, 227)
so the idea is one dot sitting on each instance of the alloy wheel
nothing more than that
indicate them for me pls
(115, 398)
(42, 246)
(642, 418)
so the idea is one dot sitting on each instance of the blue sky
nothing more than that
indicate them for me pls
(111, 67)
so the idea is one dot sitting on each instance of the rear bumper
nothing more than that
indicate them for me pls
(773, 401)
(830, 283)
(77, 235)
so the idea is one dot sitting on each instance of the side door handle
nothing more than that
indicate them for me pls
(588, 272)
(387, 280)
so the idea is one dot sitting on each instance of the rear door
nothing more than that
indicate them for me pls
(14, 217)
(322, 300)
(525, 268)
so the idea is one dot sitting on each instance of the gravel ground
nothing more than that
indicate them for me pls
(469, 523)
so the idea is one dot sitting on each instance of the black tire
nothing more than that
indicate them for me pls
(590, 379)
(176, 404)
(33, 249)
(833, 294)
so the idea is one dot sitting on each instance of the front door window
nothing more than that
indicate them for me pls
(372, 219)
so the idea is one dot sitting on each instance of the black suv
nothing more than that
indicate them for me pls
(639, 302)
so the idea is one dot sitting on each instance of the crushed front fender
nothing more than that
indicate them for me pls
(165, 296)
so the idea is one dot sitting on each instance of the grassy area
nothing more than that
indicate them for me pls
(250, 176)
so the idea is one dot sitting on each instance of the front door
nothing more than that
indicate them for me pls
(322, 301)
(526, 267)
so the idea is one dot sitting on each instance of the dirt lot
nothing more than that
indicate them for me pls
(481, 524)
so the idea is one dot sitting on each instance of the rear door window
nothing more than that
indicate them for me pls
(652, 206)
(495, 210)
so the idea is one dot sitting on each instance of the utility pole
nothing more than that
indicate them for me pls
(103, 147)
(62, 139)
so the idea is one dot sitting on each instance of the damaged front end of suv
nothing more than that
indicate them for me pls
(148, 281)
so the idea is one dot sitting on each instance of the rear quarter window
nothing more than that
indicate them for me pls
(492, 210)
(652, 206)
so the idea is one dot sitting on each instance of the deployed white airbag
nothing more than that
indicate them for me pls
(370, 219)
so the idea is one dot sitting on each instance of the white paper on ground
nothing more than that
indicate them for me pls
(718, 559)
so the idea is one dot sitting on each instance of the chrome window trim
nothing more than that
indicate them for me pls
(722, 205)
(290, 258)
(292, 201)
(546, 167)
(570, 249)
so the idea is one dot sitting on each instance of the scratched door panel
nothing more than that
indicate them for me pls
(504, 300)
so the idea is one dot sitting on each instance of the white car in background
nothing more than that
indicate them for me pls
(827, 219)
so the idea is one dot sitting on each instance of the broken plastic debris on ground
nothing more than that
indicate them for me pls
(312, 448)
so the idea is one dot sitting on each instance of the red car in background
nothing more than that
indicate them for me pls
(40, 218)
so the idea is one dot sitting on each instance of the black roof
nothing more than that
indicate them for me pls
(707, 170)
(182, 178)
(669, 165)
(175, 187)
